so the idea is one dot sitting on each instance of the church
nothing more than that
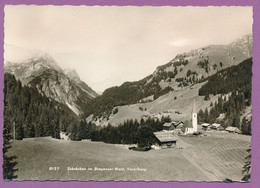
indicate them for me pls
(192, 126)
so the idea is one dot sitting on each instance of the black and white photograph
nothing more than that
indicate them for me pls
(127, 93)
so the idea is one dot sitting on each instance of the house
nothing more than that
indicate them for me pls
(168, 126)
(165, 139)
(216, 127)
(205, 126)
(233, 130)
(178, 125)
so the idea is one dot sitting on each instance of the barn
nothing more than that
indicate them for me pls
(233, 130)
(168, 126)
(205, 126)
(216, 127)
(179, 125)
(165, 139)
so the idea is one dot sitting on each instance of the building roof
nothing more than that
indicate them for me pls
(167, 124)
(178, 123)
(215, 125)
(233, 129)
(165, 136)
(205, 124)
(188, 124)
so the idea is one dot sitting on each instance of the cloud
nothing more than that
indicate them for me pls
(179, 42)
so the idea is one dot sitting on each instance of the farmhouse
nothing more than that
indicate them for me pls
(205, 126)
(179, 124)
(216, 127)
(233, 130)
(168, 126)
(165, 139)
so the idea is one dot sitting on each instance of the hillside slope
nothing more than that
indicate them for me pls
(223, 98)
(179, 75)
(176, 104)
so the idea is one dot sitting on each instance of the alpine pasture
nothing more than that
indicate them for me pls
(211, 158)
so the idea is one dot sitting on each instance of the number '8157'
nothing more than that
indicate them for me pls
(54, 168)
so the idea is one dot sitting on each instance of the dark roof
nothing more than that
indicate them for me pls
(165, 136)
(178, 123)
(205, 124)
(167, 124)
(188, 124)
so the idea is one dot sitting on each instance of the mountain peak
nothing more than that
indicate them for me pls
(243, 40)
(42, 71)
(42, 61)
(72, 74)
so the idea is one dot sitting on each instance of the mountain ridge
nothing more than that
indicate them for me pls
(43, 72)
(181, 73)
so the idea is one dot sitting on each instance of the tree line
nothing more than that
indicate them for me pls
(235, 78)
(32, 114)
(127, 93)
(129, 132)
(234, 85)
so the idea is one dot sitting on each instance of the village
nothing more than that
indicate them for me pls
(168, 137)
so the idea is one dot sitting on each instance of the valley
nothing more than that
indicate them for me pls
(178, 109)
(57, 122)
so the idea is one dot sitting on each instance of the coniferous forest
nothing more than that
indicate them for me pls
(234, 85)
(32, 114)
(130, 132)
(127, 93)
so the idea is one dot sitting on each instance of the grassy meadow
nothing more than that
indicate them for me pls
(211, 158)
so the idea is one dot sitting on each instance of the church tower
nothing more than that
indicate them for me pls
(194, 118)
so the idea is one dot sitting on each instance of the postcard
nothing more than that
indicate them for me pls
(116, 94)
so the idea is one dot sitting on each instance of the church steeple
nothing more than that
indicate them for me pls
(194, 107)
(194, 118)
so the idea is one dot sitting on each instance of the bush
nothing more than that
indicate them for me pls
(115, 110)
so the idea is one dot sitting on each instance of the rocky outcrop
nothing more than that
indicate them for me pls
(45, 74)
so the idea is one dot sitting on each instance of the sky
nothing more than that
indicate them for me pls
(108, 45)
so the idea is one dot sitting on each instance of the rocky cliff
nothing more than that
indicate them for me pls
(47, 76)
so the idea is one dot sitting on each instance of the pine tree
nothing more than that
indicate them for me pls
(9, 163)
(236, 122)
(19, 131)
(200, 116)
(206, 115)
(247, 167)
(56, 129)
(144, 136)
